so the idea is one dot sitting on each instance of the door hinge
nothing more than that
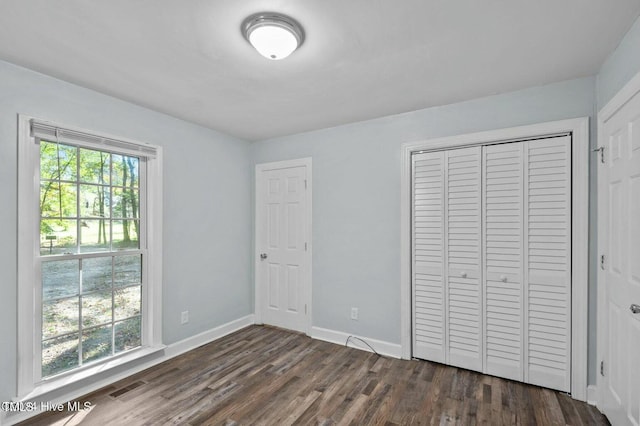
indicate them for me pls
(601, 149)
(305, 246)
(305, 184)
(602, 262)
(305, 309)
(602, 368)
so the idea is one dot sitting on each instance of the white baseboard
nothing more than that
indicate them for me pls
(170, 351)
(592, 394)
(208, 336)
(338, 337)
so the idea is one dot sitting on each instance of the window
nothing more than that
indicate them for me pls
(90, 256)
(89, 227)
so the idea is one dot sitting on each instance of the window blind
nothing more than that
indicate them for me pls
(53, 133)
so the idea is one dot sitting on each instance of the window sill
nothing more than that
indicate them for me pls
(65, 379)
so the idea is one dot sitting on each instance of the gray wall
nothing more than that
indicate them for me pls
(620, 67)
(356, 196)
(207, 202)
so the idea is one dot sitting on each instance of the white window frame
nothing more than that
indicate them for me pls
(29, 382)
(579, 130)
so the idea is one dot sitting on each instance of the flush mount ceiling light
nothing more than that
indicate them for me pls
(273, 35)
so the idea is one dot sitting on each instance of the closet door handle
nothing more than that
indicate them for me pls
(503, 278)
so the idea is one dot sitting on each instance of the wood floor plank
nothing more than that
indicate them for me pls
(292, 412)
(267, 376)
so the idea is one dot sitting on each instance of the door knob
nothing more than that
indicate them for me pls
(464, 275)
(503, 278)
(635, 308)
(263, 256)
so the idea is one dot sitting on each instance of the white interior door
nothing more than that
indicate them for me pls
(527, 219)
(447, 283)
(619, 242)
(504, 257)
(465, 331)
(428, 281)
(547, 279)
(282, 245)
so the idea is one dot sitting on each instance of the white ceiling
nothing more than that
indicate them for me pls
(361, 58)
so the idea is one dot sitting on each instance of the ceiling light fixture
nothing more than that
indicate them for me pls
(273, 35)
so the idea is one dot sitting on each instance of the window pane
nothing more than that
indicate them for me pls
(59, 317)
(128, 334)
(127, 302)
(126, 203)
(49, 160)
(57, 199)
(96, 343)
(49, 198)
(125, 171)
(51, 168)
(127, 270)
(58, 236)
(94, 166)
(96, 308)
(96, 274)
(60, 278)
(94, 235)
(125, 234)
(59, 354)
(94, 201)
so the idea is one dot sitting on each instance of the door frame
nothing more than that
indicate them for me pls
(579, 129)
(258, 215)
(631, 89)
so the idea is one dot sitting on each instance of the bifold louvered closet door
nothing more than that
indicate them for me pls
(447, 248)
(492, 259)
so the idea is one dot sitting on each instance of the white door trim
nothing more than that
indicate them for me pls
(307, 278)
(631, 89)
(579, 128)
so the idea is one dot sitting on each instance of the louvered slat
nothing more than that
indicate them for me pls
(463, 214)
(548, 271)
(503, 251)
(428, 256)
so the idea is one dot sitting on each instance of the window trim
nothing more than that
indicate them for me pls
(28, 231)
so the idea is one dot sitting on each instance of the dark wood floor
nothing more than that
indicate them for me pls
(262, 375)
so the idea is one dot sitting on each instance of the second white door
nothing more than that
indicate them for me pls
(619, 276)
(282, 244)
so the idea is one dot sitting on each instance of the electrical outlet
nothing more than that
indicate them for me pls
(354, 314)
(184, 318)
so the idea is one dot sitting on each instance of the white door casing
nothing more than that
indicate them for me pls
(619, 244)
(283, 244)
(579, 178)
